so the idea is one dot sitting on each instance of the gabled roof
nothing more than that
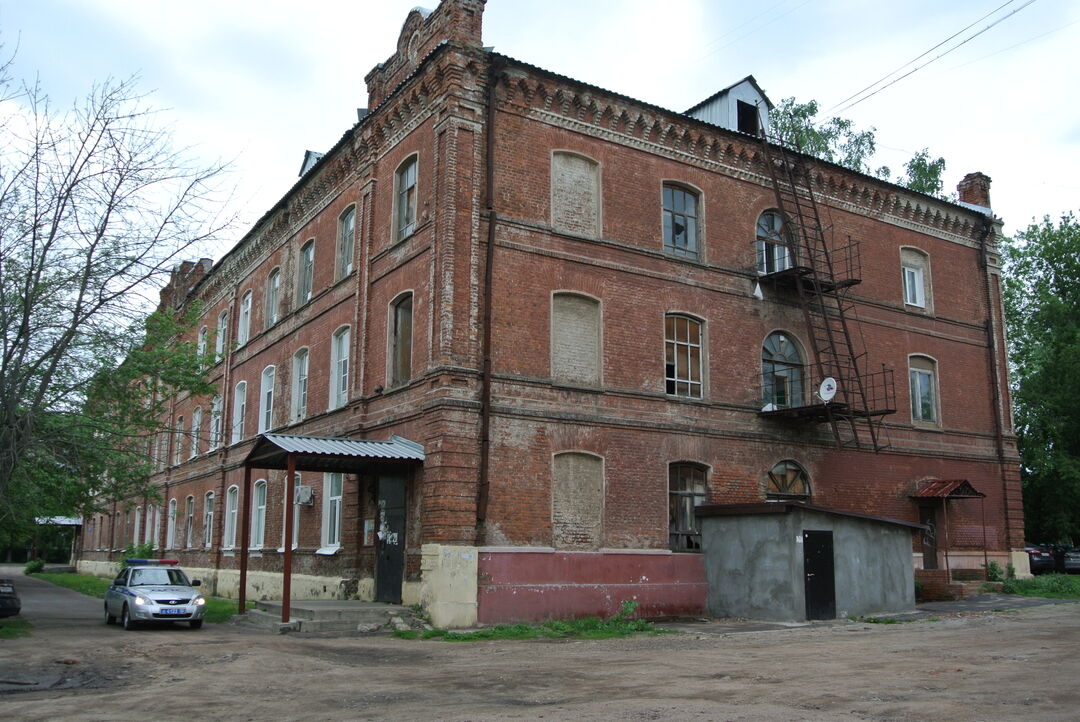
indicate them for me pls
(321, 453)
(946, 489)
(718, 93)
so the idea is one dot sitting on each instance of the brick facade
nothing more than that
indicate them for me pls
(581, 436)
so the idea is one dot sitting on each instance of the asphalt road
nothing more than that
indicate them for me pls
(48, 606)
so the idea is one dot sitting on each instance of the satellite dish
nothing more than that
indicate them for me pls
(827, 389)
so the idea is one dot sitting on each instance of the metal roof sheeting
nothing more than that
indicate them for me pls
(946, 489)
(321, 453)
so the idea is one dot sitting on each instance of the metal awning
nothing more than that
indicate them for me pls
(946, 489)
(321, 453)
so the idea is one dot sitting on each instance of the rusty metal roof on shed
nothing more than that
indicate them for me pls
(322, 453)
(946, 489)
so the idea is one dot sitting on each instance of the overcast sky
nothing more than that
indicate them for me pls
(259, 82)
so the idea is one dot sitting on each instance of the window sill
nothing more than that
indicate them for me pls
(328, 551)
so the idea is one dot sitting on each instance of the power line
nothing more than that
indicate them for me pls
(1011, 47)
(753, 30)
(936, 57)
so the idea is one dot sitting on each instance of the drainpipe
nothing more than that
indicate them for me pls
(495, 67)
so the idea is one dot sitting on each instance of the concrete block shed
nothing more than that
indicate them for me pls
(790, 561)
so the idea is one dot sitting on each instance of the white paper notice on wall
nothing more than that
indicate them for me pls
(798, 538)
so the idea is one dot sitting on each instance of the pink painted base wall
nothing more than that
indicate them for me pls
(524, 586)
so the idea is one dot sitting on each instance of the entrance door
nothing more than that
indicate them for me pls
(928, 539)
(390, 540)
(820, 583)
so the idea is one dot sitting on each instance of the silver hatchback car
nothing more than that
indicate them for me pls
(153, 590)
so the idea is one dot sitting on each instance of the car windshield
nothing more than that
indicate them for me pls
(144, 577)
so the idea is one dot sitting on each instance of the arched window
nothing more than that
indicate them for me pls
(178, 441)
(915, 279)
(788, 480)
(201, 345)
(922, 378)
(680, 221)
(208, 519)
(773, 252)
(239, 411)
(273, 297)
(682, 356)
(305, 273)
(332, 496)
(575, 339)
(266, 399)
(215, 423)
(405, 199)
(295, 514)
(577, 501)
(136, 533)
(782, 372)
(339, 368)
(346, 232)
(258, 514)
(170, 525)
(232, 504)
(401, 319)
(575, 194)
(686, 490)
(221, 335)
(299, 385)
(196, 432)
(189, 523)
(243, 322)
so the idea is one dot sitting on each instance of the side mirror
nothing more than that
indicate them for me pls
(196, 582)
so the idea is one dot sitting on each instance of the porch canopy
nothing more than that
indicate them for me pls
(946, 490)
(292, 453)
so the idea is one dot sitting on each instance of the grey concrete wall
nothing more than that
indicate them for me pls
(754, 565)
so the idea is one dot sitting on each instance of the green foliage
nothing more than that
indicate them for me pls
(884, 620)
(1042, 314)
(1053, 586)
(86, 584)
(14, 627)
(135, 551)
(1010, 571)
(923, 174)
(34, 566)
(994, 572)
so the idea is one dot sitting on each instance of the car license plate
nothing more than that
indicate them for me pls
(173, 610)
(6, 589)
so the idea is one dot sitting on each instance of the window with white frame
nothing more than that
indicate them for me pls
(258, 514)
(202, 344)
(221, 335)
(170, 525)
(686, 491)
(680, 221)
(305, 273)
(346, 234)
(339, 368)
(178, 441)
(773, 251)
(295, 515)
(922, 377)
(915, 280)
(243, 322)
(782, 372)
(298, 408)
(405, 198)
(189, 523)
(239, 411)
(266, 399)
(401, 319)
(208, 519)
(196, 432)
(331, 526)
(215, 423)
(136, 533)
(682, 356)
(155, 526)
(232, 505)
(273, 297)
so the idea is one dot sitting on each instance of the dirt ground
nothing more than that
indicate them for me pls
(990, 665)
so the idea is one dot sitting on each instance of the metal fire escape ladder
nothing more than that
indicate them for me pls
(822, 297)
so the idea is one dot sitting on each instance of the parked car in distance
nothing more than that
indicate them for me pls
(1072, 561)
(1040, 558)
(153, 590)
(9, 599)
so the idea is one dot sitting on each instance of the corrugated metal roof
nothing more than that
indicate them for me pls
(946, 489)
(322, 453)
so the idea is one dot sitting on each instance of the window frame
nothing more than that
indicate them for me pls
(406, 184)
(202, 343)
(221, 335)
(768, 241)
(670, 211)
(296, 514)
(305, 272)
(268, 380)
(330, 538)
(672, 347)
(208, 519)
(346, 245)
(232, 509)
(683, 539)
(196, 431)
(170, 524)
(923, 374)
(339, 367)
(273, 297)
(258, 514)
(215, 435)
(239, 415)
(298, 403)
(916, 289)
(189, 521)
(783, 485)
(399, 357)
(243, 319)
(178, 442)
(795, 377)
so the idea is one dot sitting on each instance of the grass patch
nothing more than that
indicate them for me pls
(588, 628)
(883, 620)
(14, 627)
(1053, 586)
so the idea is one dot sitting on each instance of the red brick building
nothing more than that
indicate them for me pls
(591, 314)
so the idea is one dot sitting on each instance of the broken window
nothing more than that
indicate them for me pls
(788, 480)
(686, 490)
(680, 221)
(747, 117)
(682, 356)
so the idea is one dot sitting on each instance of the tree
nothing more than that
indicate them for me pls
(1042, 304)
(838, 141)
(96, 207)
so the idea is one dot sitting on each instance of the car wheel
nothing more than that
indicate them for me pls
(196, 623)
(125, 620)
(109, 619)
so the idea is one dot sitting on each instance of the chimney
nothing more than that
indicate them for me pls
(975, 189)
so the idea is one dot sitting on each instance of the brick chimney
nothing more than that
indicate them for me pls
(975, 189)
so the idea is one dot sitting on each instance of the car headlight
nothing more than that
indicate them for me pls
(141, 600)
(199, 601)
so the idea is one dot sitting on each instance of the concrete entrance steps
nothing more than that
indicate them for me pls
(329, 615)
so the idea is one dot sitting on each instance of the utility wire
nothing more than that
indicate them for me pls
(753, 30)
(742, 25)
(1022, 42)
(936, 57)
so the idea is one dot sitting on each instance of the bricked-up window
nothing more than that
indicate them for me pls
(305, 273)
(922, 378)
(339, 368)
(773, 254)
(232, 504)
(298, 410)
(170, 525)
(189, 522)
(346, 233)
(273, 297)
(405, 199)
(686, 490)
(243, 323)
(782, 372)
(196, 432)
(401, 318)
(215, 423)
(575, 194)
(680, 221)
(258, 514)
(221, 335)
(239, 412)
(266, 399)
(577, 501)
(915, 279)
(788, 480)
(331, 526)
(575, 339)
(682, 356)
(208, 519)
